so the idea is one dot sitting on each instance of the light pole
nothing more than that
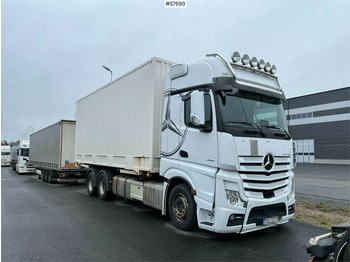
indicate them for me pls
(105, 67)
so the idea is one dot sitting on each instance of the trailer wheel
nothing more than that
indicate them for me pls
(102, 186)
(182, 208)
(43, 175)
(90, 183)
(50, 178)
(13, 167)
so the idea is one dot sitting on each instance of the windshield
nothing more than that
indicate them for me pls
(5, 153)
(25, 152)
(250, 114)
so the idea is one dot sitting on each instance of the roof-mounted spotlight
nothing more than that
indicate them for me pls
(273, 70)
(261, 64)
(245, 59)
(254, 62)
(267, 67)
(235, 57)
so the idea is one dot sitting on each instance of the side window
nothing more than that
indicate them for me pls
(207, 109)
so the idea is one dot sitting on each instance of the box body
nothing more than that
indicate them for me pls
(119, 125)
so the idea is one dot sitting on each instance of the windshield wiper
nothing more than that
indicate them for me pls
(249, 124)
(278, 127)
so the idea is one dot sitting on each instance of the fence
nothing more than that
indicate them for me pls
(323, 171)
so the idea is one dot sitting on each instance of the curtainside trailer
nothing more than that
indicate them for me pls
(52, 153)
(205, 142)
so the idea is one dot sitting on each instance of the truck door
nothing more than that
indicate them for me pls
(198, 153)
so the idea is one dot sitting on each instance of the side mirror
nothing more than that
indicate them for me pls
(197, 108)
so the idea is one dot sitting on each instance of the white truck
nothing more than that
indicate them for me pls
(52, 153)
(205, 142)
(19, 157)
(5, 155)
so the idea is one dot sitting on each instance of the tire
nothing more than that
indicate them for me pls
(50, 178)
(182, 208)
(43, 175)
(90, 184)
(102, 186)
(13, 167)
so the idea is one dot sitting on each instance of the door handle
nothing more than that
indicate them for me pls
(183, 154)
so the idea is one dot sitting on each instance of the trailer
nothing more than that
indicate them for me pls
(205, 142)
(52, 153)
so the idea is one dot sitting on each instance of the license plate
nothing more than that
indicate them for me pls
(271, 221)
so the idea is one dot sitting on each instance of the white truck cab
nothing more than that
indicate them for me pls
(225, 134)
(20, 157)
(5, 156)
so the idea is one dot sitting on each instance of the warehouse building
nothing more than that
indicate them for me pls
(319, 123)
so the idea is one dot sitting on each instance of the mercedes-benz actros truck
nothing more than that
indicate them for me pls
(205, 142)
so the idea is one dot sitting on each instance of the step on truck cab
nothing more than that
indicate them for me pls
(205, 142)
(20, 156)
(5, 155)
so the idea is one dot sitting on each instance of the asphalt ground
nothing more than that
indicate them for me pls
(60, 222)
(320, 180)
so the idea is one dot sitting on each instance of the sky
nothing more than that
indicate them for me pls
(52, 51)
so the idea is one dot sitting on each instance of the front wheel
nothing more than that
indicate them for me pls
(182, 208)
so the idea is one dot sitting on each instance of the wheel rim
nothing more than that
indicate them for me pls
(90, 187)
(102, 187)
(180, 207)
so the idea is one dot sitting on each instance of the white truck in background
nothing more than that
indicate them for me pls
(19, 157)
(52, 153)
(5, 155)
(205, 142)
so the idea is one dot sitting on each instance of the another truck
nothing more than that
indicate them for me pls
(19, 157)
(52, 153)
(205, 142)
(5, 155)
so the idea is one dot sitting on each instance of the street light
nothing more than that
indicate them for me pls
(105, 67)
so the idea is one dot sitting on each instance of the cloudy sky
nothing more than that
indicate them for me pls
(52, 51)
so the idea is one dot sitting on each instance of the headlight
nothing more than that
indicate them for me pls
(234, 198)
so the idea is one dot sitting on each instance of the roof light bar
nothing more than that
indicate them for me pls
(253, 62)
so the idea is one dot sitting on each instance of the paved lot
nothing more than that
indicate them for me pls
(45, 222)
(329, 181)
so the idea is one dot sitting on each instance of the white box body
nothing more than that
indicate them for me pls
(119, 125)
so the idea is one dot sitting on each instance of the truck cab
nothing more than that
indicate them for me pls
(5, 156)
(225, 138)
(20, 157)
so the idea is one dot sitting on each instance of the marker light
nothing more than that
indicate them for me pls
(254, 62)
(245, 59)
(267, 67)
(261, 64)
(235, 57)
(273, 69)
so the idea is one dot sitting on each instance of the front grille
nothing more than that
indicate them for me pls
(258, 214)
(260, 183)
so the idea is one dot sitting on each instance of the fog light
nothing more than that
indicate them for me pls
(232, 217)
(245, 59)
(235, 57)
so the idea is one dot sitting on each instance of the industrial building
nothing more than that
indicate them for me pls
(319, 123)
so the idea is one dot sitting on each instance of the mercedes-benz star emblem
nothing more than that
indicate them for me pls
(268, 162)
